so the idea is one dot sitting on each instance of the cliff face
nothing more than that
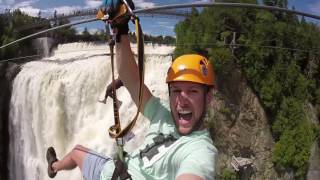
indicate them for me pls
(7, 73)
(240, 127)
(314, 160)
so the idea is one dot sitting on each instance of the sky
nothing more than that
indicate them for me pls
(150, 25)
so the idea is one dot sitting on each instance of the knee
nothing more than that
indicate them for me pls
(79, 151)
(78, 146)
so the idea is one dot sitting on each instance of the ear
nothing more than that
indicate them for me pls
(209, 97)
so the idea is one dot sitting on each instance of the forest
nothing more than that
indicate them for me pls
(279, 54)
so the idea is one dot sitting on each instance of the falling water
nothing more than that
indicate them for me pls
(55, 103)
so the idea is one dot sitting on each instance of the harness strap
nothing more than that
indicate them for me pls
(120, 171)
(116, 127)
(115, 130)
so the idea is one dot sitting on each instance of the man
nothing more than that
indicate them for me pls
(177, 145)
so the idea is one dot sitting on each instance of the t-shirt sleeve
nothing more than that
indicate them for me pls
(155, 111)
(200, 162)
(151, 107)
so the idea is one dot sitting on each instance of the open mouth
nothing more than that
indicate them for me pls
(184, 116)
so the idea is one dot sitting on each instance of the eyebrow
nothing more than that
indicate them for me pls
(193, 86)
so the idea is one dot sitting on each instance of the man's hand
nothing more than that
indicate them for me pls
(119, 15)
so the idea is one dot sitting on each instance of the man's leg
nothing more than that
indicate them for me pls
(89, 162)
(72, 160)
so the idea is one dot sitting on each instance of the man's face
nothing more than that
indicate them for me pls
(187, 105)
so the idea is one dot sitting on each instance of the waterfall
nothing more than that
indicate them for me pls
(43, 45)
(55, 103)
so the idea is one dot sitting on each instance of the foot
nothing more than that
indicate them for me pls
(51, 158)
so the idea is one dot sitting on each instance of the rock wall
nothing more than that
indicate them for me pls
(7, 73)
(240, 127)
(314, 160)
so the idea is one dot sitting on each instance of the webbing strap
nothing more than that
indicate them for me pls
(115, 131)
(116, 127)
(120, 171)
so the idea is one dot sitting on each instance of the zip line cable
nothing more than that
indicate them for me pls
(248, 45)
(188, 44)
(19, 58)
(231, 5)
(48, 30)
(176, 6)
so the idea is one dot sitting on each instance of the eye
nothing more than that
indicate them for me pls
(175, 91)
(194, 91)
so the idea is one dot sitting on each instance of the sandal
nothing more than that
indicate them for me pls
(51, 158)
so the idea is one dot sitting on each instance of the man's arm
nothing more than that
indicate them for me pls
(198, 163)
(128, 71)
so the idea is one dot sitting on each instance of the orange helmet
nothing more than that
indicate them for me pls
(191, 68)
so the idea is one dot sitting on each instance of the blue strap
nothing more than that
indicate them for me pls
(113, 5)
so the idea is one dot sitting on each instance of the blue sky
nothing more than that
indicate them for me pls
(155, 26)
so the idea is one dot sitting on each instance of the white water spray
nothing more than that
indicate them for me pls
(55, 103)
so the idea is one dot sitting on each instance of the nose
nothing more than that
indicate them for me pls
(183, 98)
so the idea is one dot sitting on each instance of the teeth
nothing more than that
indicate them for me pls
(184, 112)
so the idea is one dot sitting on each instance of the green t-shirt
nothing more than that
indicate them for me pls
(165, 154)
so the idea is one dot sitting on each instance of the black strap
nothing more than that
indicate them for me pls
(120, 171)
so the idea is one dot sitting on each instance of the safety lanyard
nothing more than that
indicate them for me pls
(115, 130)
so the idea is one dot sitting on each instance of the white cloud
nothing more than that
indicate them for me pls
(23, 4)
(90, 30)
(315, 8)
(203, 1)
(13, 2)
(93, 3)
(142, 4)
(94, 31)
(26, 7)
(165, 24)
(137, 3)
(9, 2)
(79, 29)
(66, 9)
(31, 11)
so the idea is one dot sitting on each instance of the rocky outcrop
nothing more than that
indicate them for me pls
(7, 73)
(240, 128)
(314, 160)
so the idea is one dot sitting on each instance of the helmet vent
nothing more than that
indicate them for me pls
(203, 68)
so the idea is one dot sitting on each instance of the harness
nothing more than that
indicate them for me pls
(115, 131)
